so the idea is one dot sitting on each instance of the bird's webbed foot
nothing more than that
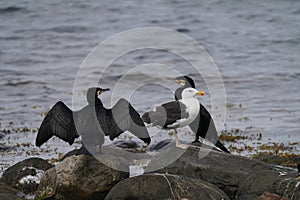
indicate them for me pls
(182, 146)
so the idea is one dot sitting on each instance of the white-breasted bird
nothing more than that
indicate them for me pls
(175, 114)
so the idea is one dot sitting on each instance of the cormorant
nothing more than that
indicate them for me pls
(203, 126)
(92, 122)
(175, 114)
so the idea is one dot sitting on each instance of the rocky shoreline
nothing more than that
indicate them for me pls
(199, 173)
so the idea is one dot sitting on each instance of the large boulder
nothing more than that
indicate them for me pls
(161, 186)
(123, 149)
(271, 181)
(239, 177)
(81, 177)
(9, 193)
(26, 174)
(271, 196)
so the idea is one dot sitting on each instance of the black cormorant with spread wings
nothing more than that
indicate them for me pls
(203, 126)
(92, 122)
(175, 114)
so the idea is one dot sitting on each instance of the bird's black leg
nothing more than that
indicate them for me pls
(195, 141)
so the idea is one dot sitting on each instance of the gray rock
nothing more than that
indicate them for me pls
(257, 183)
(126, 144)
(70, 153)
(160, 186)
(127, 154)
(160, 145)
(81, 177)
(239, 177)
(9, 193)
(271, 196)
(26, 174)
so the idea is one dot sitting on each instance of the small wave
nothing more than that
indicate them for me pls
(296, 12)
(113, 9)
(296, 75)
(183, 30)
(11, 38)
(18, 83)
(10, 9)
(285, 41)
(67, 29)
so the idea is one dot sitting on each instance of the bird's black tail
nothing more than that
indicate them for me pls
(222, 147)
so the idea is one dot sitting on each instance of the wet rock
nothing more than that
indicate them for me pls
(3, 148)
(70, 153)
(160, 145)
(2, 135)
(237, 176)
(126, 144)
(161, 186)
(82, 177)
(271, 196)
(26, 174)
(9, 193)
(258, 182)
(110, 150)
(288, 187)
(289, 160)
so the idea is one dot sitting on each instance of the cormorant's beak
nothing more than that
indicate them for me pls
(99, 92)
(180, 81)
(200, 93)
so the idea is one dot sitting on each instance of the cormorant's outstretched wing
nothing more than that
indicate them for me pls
(59, 122)
(125, 117)
(166, 114)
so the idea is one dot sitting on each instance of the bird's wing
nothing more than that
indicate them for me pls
(59, 122)
(166, 114)
(204, 113)
(126, 118)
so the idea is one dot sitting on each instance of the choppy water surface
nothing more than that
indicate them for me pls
(255, 44)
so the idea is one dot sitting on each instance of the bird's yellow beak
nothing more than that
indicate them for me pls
(200, 93)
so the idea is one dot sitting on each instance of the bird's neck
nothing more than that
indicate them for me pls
(187, 85)
(95, 101)
(98, 102)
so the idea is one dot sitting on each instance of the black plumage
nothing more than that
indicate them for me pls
(175, 114)
(185, 82)
(92, 122)
(203, 126)
(166, 114)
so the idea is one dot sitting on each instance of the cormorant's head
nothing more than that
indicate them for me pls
(93, 93)
(185, 81)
